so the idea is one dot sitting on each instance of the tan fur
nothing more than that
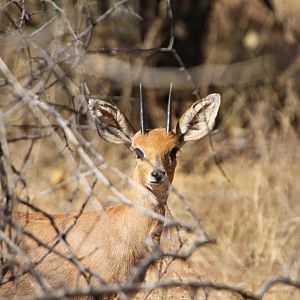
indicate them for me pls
(149, 144)
(112, 242)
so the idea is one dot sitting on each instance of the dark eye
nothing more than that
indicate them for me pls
(139, 153)
(173, 153)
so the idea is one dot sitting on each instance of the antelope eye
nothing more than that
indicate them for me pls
(173, 153)
(139, 153)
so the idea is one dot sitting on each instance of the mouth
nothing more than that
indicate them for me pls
(155, 182)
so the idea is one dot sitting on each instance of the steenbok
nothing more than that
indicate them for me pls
(105, 246)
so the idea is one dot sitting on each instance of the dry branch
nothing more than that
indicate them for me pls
(32, 93)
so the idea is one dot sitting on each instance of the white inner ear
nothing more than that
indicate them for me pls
(197, 121)
(112, 125)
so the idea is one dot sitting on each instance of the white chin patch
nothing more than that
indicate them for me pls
(151, 181)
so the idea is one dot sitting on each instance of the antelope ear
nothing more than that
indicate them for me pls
(112, 125)
(199, 119)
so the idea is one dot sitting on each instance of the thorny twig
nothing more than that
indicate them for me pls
(29, 92)
(174, 283)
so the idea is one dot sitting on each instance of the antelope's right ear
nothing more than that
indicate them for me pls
(112, 125)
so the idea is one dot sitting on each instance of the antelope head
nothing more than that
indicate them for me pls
(155, 149)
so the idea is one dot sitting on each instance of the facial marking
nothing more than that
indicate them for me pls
(157, 162)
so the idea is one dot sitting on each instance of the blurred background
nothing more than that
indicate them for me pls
(244, 182)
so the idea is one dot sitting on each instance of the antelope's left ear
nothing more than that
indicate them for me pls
(199, 119)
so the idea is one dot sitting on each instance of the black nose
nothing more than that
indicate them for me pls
(158, 174)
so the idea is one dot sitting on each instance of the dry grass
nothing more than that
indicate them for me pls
(254, 217)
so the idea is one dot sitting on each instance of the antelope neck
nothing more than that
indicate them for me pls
(150, 199)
